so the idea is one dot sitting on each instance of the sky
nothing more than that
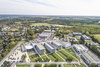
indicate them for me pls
(50, 7)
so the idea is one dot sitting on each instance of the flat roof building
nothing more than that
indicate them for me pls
(49, 47)
(80, 48)
(46, 34)
(89, 58)
(85, 37)
(65, 44)
(77, 34)
(56, 44)
(40, 48)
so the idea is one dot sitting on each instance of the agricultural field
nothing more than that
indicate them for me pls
(18, 22)
(23, 66)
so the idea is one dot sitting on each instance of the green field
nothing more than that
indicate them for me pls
(40, 24)
(23, 66)
(92, 25)
(97, 36)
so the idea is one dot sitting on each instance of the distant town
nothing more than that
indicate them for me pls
(50, 41)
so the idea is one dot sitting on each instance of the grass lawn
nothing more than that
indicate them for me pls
(40, 24)
(66, 65)
(64, 57)
(34, 57)
(97, 36)
(92, 25)
(13, 29)
(23, 66)
(82, 65)
(56, 56)
(18, 22)
(51, 57)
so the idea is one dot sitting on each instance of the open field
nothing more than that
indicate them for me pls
(40, 24)
(13, 29)
(23, 66)
(18, 22)
(97, 36)
(92, 25)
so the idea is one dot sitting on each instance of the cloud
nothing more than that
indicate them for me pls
(50, 7)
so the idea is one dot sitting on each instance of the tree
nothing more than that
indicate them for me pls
(6, 64)
(93, 65)
(23, 57)
(70, 58)
(87, 33)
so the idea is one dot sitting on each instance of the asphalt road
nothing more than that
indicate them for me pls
(11, 52)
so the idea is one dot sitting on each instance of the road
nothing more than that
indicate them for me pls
(33, 63)
(11, 52)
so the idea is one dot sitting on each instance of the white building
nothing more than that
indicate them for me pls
(65, 44)
(80, 48)
(76, 34)
(89, 58)
(56, 44)
(40, 48)
(46, 34)
(85, 37)
(49, 47)
(27, 47)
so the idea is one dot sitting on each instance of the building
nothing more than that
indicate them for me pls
(92, 43)
(89, 58)
(65, 44)
(56, 44)
(46, 34)
(50, 48)
(77, 34)
(27, 47)
(85, 37)
(40, 48)
(80, 48)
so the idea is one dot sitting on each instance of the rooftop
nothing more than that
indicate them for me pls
(40, 46)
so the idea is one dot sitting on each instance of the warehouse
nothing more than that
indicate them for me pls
(89, 58)
(56, 44)
(49, 47)
(80, 48)
(40, 48)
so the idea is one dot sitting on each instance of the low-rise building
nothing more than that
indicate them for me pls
(80, 48)
(85, 37)
(89, 58)
(76, 34)
(65, 44)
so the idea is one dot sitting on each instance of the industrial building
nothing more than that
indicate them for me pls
(89, 58)
(50, 47)
(46, 34)
(80, 48)
(85, 37)
(77, 34)
(56, 44)
(40, 48)
(65, 44)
